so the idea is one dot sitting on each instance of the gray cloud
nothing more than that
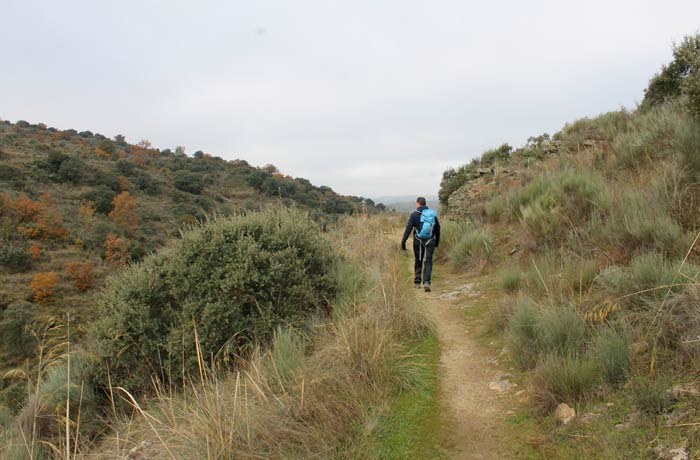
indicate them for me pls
(369, 97)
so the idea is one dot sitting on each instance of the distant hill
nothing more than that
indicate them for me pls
(76, 206)
(405, 202)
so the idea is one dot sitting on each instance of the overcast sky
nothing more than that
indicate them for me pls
(371, 97)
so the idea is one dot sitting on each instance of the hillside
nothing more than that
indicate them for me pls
(591, 236)
(76, 206)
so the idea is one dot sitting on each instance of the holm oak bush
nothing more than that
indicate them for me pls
(235, 279)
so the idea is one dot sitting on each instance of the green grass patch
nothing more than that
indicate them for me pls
(413, 427)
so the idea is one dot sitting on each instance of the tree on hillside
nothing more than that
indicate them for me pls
(681, 77)
(123, 213)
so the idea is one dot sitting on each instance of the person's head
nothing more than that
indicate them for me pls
(420, 201)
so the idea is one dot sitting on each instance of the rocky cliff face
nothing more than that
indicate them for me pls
(467, 201)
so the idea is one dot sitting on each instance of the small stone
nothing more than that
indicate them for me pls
(587, 419)
(679, 391)
(500, 385)
(146, 444)
(679, 453)
(564, 413)
(622, 427)
(675, 417)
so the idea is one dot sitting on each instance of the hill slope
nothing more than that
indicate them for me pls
(76, 206)
(592, 236)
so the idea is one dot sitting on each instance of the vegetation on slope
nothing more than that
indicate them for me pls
(307, 384)
(595, 244)
(77, 207)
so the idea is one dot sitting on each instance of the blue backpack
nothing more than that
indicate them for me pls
(427, 220)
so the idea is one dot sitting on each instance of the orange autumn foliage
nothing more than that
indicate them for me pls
(80, 273)
(123, 183)
(116, 250)
(43, 285)
(101, 153)
(123, 213)
(27, 209)
(86, 209)
(35, 251)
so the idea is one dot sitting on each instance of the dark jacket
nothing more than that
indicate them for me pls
(414, 225)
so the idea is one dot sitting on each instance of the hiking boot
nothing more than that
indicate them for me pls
(416, 285)
(427, 287)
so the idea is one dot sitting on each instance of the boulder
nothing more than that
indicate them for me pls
(564, 413)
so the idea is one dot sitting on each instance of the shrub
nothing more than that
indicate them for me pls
(499, 315)
(236, 279)
(43, 286)
(650, 270)
(14, 336)
(578, 275)
(189, 182)
(102, 196)
(123, 213)
(560, 379)
(522, 334)
(649, 136)
(450, 233)
(510, 279)
(80, 273)
(12, 176)
(687, 142)
(472, 249)
(643, 220)
(681, 77)
(15, 259)
(495, 208)
(650, 395)
(117, 250)
(614, 355)
(560, 330)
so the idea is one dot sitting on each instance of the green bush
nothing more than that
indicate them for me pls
(648, 137)
(522, 334)
(578, 275)
(236, 279)
(650, 270)
(14, 396)
(472, 249)
(680, 78)
(510, 279)
(189, 182)
(495, 208)
(450, 233)
(650, 395)
(560, 330)
(15, 339)
(559, 379)
(687, 142)
(102, 196)
(641, 219)
(552, 204)
(12, 176)
(15, 259)
(614, 354)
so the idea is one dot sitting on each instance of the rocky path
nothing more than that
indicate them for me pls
(475, 392)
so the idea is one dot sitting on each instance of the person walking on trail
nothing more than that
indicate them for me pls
(424, 224)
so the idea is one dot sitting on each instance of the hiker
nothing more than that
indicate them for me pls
(426, 237)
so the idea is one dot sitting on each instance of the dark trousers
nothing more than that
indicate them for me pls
(423, 252)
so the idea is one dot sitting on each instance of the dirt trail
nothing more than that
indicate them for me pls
(468, 373)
